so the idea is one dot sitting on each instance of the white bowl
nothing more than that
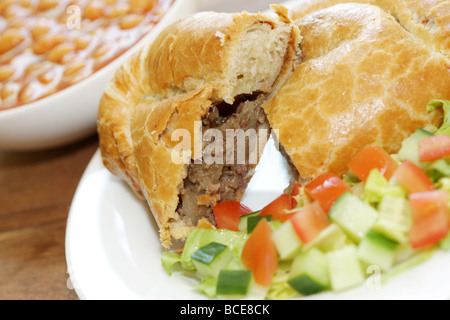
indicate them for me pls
(71, 114)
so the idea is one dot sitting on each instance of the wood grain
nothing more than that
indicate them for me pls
(36, 190)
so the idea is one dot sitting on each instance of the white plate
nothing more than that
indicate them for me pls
(113, 251)
(112, 242)
(71, 114)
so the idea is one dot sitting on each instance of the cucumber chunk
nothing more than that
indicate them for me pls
(233, 282)
(376, 249)
(410, 147)
(394, 220)
(243, 221)
(212, 258)
(286, 241)
(438, 170)
(330, 239)
(344, 268)
(354, 216)
(275, 224)
(252, 222)
(309, 273)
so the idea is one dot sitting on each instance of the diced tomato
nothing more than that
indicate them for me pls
(296, 189)
(227, 214)
(413, 178)
(260, 254)
(326, 189)
(309, 222)
(295, 195)
(434, 148)
(279, 208)
(431, 220)
(426, 203)
(429, 230)
(372, 157)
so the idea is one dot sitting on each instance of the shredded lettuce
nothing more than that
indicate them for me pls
(208, 286)
(417, 259)
(168, 260)
(280, 288)
(377, 187)
(445, 105)
(302, 198)
(351, 179)
(445, 243)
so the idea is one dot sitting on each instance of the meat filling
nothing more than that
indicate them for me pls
(208, 184)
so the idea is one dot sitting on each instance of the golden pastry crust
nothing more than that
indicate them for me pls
(427, 20)
(160, 178)
(173, 82)
(364, 79)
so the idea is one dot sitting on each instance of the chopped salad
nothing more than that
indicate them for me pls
(388, 213)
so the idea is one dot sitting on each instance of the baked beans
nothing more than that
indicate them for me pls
(49, 45)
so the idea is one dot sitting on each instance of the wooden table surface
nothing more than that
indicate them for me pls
(36, 190)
